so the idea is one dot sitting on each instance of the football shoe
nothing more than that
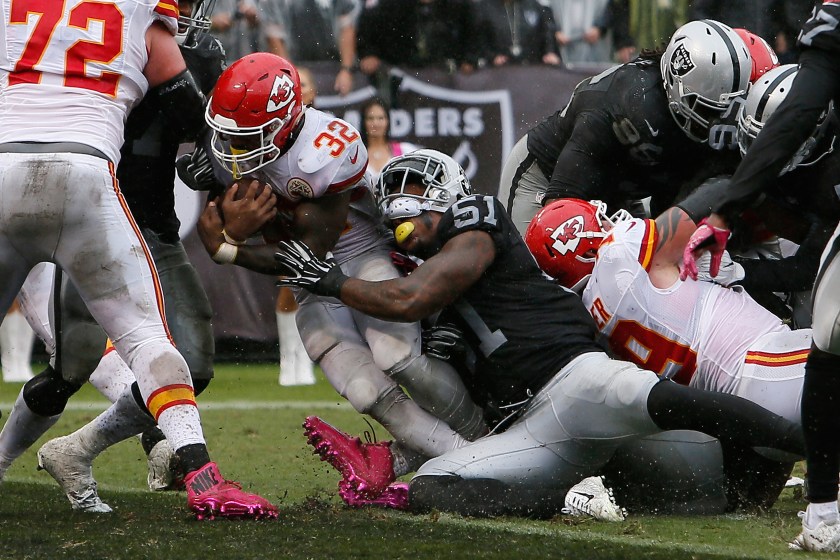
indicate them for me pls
(73, 472)
(395, 496)
(590, 497)
(210, 496)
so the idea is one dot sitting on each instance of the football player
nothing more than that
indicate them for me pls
(68, 85)
(538, 354)
(817, 83)
(651, 127)
(316, 167)
(146, 176)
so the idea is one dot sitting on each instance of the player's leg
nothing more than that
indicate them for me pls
(821, 392)
(521, 184)
(567, 432)
(396, 348)
(331, 337)
(107, 260)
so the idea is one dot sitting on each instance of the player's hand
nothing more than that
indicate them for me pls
(706, 238)
(247, 206)
(322, 277)
(196, 170)
(443, 341)
(211, 227)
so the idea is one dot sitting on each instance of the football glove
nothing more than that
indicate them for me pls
(196, 171)
(443, 341)
(321, 277)
(705, 237)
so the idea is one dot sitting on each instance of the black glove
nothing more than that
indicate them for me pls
(321, 277)
(196, 170)
(443, 342)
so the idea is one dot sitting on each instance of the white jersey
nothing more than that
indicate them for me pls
(71, 71)
(328, 157)
(697, 333)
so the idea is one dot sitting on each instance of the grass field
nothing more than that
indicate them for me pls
(253, 428)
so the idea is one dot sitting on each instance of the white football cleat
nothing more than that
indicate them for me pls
(74, 474)
(825, 537)
(590, 497)
(160, 473)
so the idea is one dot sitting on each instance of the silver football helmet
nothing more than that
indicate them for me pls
(191, 28)
(764, 98)
(704, 68)
(443, 179)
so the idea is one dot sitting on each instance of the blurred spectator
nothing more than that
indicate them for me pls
(417, 33)
(308, 87)
(318, 30)
(580, 30)
(375, 131)
(765, 18)
(518, 31)
(643, 24)
(238, 25)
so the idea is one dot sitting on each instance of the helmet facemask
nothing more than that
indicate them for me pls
(193, 27)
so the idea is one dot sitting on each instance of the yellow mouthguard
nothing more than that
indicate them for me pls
(403, 231)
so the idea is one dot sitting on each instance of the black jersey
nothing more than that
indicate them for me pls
(616, 140)
(147, 166)
(524, 327)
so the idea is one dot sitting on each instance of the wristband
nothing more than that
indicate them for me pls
(231, 240)
(226, 253)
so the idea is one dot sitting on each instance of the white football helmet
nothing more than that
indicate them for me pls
(444, 180)
(764, 98)
(704, 68)
(191, 28)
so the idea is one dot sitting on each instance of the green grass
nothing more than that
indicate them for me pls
(255, 434)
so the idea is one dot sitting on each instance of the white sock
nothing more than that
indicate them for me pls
(123, 419)
(815, 513)
(112, 375)
(22, 429)
(295, 366)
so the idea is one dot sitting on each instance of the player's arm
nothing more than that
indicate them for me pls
(436, 283)
(583, 166)
(172, 87)
(673, 230)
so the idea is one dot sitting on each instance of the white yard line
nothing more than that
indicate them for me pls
(218, 405)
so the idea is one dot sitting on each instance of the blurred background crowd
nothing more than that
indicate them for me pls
(368, 36)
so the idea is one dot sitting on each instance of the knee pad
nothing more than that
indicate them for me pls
(47, 393)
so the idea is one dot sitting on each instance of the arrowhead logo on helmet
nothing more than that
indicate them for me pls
(282, 93)
(567, 235)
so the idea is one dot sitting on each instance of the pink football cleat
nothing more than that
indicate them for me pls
(209, 495)
(366, 467)
(395, 496)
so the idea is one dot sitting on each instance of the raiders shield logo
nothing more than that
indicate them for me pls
(681, 63)
(567, 235)
(282, 93)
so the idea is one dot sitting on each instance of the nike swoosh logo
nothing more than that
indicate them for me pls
(653, 131)
(585, 495)
(355, 156)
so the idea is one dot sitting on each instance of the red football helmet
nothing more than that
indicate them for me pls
(565, 235)
(255, 106)
(762, 54)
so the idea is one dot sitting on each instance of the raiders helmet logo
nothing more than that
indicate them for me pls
(282, 93)
(298, 188)
(681, 63)
(567, 235)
